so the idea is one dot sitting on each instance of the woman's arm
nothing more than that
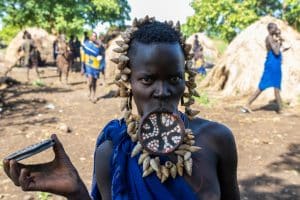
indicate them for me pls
(275, 46)
(102, 169)
(227, 164)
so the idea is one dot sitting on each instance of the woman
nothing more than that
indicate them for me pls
(64, 58)
(272, 74)
(30, 54)
(91, 61)
(153, 63)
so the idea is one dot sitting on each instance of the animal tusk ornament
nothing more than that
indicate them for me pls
(150, 162)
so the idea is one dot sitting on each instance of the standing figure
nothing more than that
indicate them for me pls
(55, 50)
(77, 46)
(272, 74)
(64, 58)
(72, 50)
(198, 56)
(30, 54)
(91, 60)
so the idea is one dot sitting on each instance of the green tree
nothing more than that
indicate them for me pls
(67, 16)
(291, 13)
(226, 18)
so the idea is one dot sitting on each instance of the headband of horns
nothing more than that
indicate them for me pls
(184, 160)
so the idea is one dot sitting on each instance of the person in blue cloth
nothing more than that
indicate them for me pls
(91, 60)
(272, 74)
(157, 80)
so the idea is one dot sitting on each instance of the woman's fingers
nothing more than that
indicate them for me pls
(14, 172)
(58, 147)
(6, 167)
(26, 182)
(59, 150)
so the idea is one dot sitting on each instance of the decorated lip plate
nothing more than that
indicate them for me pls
(161, 132)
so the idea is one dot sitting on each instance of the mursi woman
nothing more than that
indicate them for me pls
(196, 160)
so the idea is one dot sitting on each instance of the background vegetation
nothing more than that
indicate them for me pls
(67, 16)
(224, 19)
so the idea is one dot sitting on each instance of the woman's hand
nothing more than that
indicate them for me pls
(58, 177)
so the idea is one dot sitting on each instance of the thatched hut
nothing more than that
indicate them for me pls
(239, 70)
(210, 52)
(111, 68)
(43, 40)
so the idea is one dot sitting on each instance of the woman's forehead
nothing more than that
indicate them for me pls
(156, 54)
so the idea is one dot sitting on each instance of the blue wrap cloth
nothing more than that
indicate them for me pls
(126, 174)
(89, 71)
(90, 59)
(272, 72)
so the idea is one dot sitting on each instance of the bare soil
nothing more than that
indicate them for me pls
(268, 143)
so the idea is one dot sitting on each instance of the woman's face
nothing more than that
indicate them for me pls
(273, 29)
(157, 76)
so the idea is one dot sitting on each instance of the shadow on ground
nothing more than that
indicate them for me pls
(15, 92)
(18, 111)
(253, 187)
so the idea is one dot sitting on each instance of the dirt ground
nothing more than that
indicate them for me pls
(268, 143)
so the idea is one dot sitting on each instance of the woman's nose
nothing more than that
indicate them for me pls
(162, 91)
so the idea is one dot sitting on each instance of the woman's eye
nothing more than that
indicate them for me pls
(147, 80)
(174, 79)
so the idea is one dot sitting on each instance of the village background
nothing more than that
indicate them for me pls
(232, 34)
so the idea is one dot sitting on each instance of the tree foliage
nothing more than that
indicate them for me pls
(291, 12)
(67, 16)
(225, 18)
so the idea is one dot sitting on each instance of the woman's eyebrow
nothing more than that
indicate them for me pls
(145, 73)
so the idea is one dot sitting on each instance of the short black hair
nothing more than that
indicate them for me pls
(271, 25)
(153, 32)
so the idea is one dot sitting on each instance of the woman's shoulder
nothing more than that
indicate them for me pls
(209, 125)
(113, 131)
(217, 134)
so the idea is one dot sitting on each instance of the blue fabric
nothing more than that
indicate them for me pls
(102, 62)
(272, 72)
(127, 181)
(201, 70)
(89, 71)
(91, 48)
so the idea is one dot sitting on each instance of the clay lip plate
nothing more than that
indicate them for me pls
(158, 114)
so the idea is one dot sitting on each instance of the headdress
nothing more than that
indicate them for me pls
(152, 163)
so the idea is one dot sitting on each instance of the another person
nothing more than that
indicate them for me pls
(72, 49)
(77, 46)
(64, 58)
(30, 54)
(157, 63)
(85, 37)
(198, 56)
(91, 61)
(54, 46)
(272, 74)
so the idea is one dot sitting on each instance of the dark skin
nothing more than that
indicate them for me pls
(158, 83)
(92, 82)
(273, 43)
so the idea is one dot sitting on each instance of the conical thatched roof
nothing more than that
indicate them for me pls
(210, 51)
(111, 68)
(43, 41)
(239, 70)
